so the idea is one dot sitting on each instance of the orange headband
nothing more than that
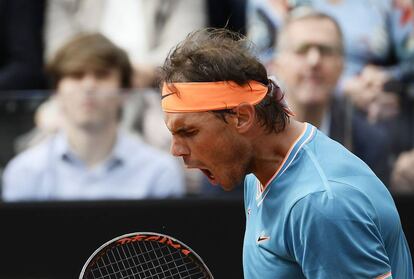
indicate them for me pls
(206, 96)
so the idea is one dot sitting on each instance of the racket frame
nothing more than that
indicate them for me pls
(171, 241)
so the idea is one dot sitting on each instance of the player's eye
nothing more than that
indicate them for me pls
(190, 133)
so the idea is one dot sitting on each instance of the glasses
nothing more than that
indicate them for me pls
(324, 50)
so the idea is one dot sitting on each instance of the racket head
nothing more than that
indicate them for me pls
(144, 255)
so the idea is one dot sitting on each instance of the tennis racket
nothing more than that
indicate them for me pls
(144, 255)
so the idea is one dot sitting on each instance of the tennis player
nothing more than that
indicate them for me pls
(313, 209)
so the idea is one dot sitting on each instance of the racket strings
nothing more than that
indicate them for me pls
(145, 259)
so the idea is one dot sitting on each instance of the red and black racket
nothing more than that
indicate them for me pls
(144, 255)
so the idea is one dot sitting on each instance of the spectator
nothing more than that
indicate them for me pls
(310, 61)
(91, 158)
(379, 47)
(379, 44)
(149, 29)
(146, 29)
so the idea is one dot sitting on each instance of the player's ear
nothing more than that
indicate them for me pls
(244, 117)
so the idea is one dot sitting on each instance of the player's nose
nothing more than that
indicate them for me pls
(179, 148)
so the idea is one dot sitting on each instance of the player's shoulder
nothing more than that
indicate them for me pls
(338, 202)
(325, 157)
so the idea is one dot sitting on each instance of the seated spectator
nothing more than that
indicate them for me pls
(309, 61)
(378, 37)
(378, 43)
(90, 157)
(150, 28)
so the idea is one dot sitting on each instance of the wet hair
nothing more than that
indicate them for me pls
(210, 55)
(89, 52)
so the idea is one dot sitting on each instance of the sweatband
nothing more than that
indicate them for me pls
(207, 96)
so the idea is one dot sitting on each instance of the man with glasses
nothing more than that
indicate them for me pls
(309, 60)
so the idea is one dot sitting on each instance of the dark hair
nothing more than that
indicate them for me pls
(89, 52)
(210, 55)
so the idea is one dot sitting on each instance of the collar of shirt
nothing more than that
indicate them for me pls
(119, 155)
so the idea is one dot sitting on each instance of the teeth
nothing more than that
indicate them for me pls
(207, 173)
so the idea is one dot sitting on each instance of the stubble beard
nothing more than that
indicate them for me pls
(236, 178)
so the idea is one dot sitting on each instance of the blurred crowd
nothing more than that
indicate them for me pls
(80, 107)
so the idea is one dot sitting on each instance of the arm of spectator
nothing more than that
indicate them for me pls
(402, 179)
(22, 47)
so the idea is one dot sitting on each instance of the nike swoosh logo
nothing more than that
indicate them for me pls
(166, 95)
(262, 238)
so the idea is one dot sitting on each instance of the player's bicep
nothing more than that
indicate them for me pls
(333, 240)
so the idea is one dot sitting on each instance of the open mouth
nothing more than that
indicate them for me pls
(210, 176)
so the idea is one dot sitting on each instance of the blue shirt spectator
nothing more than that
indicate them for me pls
(89, 158)
(51, 171)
